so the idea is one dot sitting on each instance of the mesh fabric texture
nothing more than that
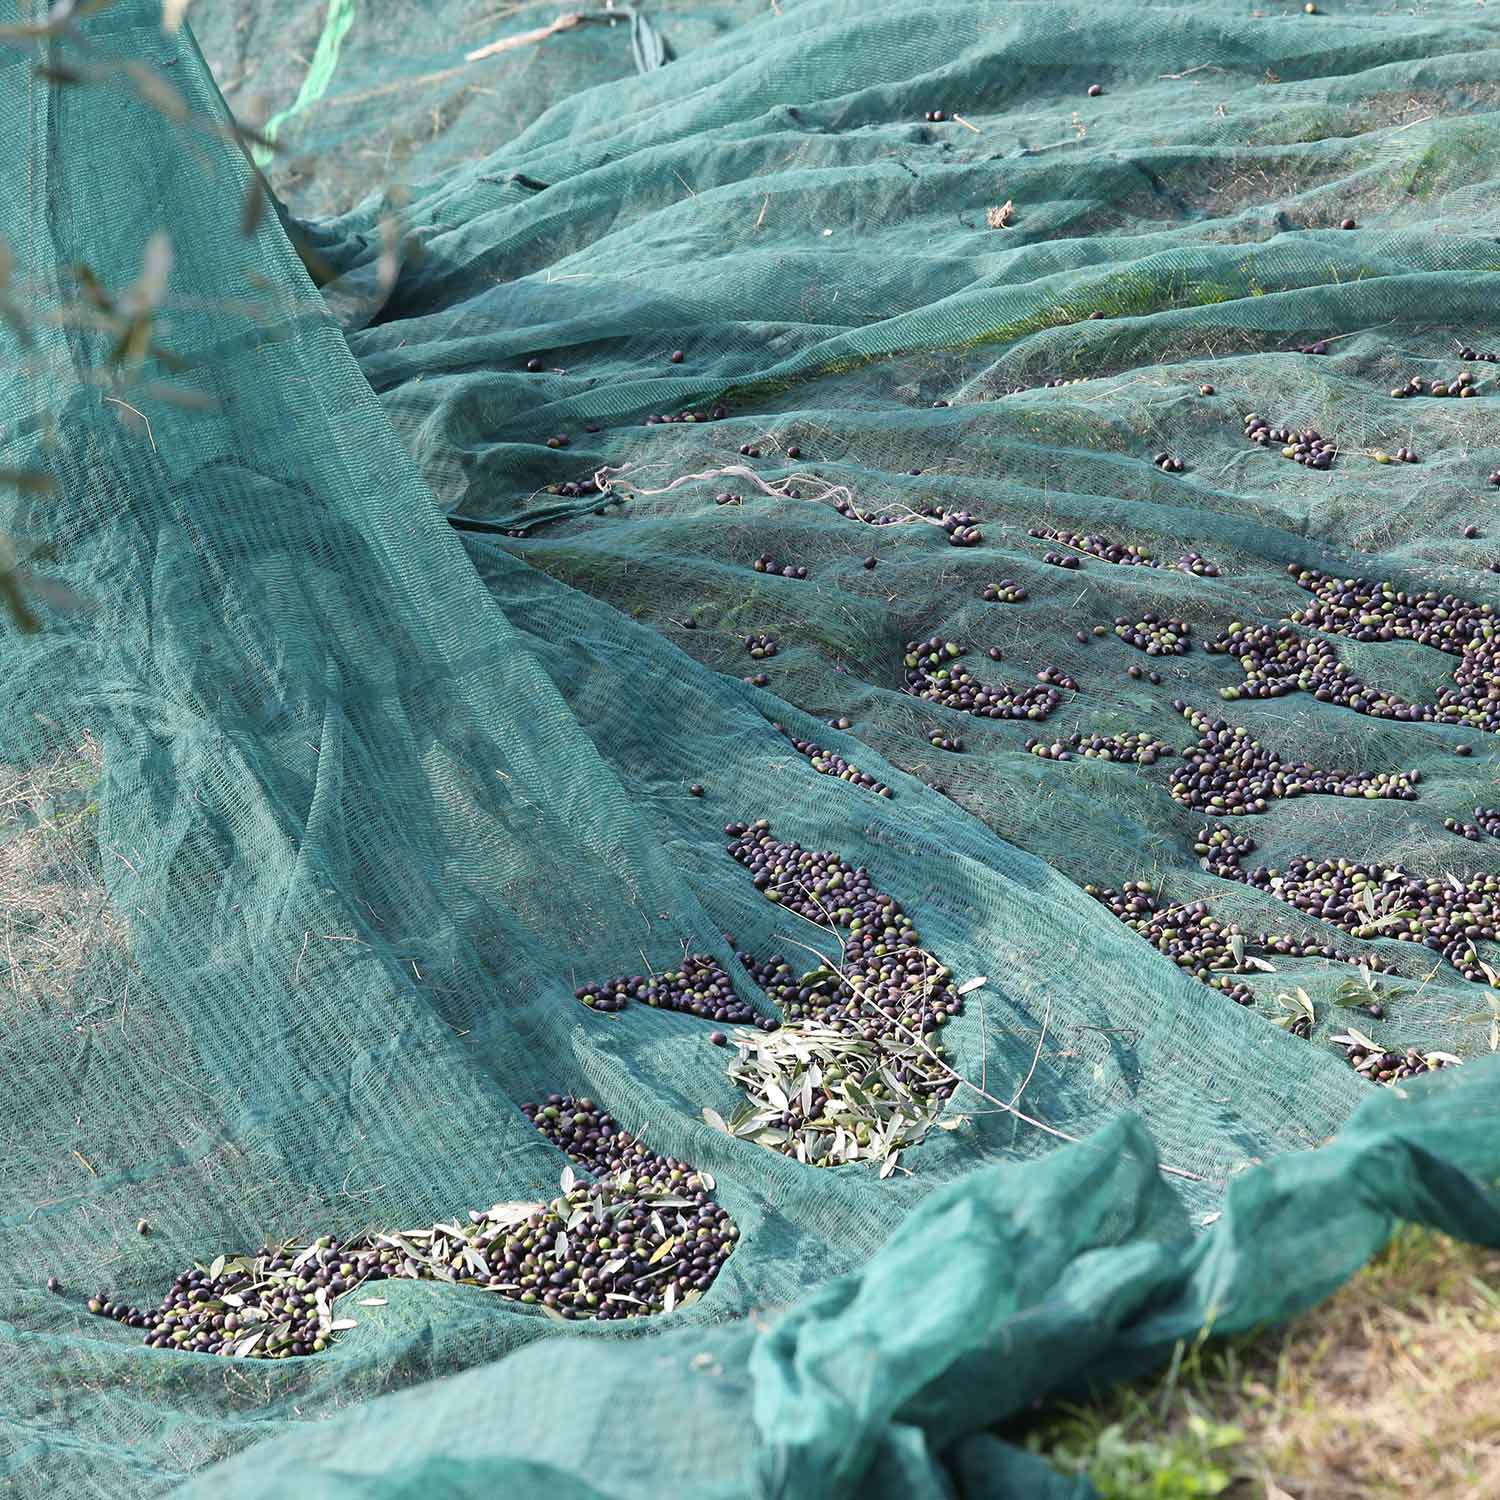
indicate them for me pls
(397, 743)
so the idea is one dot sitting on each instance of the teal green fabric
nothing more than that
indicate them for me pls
(1033, 1279)
(398, 740)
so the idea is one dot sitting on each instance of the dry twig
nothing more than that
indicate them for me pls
(1000, 1105)
(565, 22)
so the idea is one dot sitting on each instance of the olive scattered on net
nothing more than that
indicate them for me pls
(826, 763)
(642, 1238)
(699, 988)
(858, 1067)
(1228, 771)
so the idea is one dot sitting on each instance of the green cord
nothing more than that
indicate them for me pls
(649, 46)
(325, 60)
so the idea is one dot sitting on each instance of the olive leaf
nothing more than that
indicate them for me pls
(150, 288)
(1300, 1007)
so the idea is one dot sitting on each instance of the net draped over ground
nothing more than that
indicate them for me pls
(399, 734)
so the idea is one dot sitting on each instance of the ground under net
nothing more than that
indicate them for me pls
(352, 97)
(414, 666)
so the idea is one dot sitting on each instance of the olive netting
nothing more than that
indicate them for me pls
(419, 596)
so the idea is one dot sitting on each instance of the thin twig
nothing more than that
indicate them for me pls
(564, 22)
(984, 1046)
(918, 1041)
(1201, 68)
(10, 954)
(1035, 1056)
(829, 493)
(142, 415)
(948, 1068)
(1353, 333)
(960, 120)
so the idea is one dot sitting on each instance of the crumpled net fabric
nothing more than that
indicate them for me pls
(400, 706)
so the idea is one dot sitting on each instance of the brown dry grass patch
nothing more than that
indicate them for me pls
(56, 922)
(1391, 1389)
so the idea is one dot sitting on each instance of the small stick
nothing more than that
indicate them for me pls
(142, 415)
(1035, 1056)
(830, 492)
(10, 954)
(984, 1046)
(960, 119)
(564, 22)
(948, 1068)
(1202, 67)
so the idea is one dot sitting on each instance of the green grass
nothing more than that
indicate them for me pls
(1451, 161)
(1126, 1460)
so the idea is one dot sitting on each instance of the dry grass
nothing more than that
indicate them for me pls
(1393, 1388)
(1389, 1390)
(56, 923)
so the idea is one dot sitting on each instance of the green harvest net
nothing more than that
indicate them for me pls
(401, 707)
